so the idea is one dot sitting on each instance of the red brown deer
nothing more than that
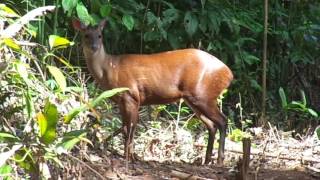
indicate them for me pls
(160, 78)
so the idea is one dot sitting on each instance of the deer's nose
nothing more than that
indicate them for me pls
(94, 47)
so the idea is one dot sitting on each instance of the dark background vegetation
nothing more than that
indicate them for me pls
(231, 30)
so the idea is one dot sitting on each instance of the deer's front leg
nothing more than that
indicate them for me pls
(129, 109)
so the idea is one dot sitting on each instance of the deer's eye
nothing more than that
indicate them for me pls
(99, 36)
(86, 36)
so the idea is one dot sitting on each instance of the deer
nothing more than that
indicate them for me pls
(160, 78)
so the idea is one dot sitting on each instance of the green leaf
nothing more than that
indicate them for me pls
(303, 97)
(47, 122)
(59, 77)
(283, 98)
(12, 44)
(105, 10)
(5, 170)
(107, 94)
(70, 139)
(318, 132)
(128, 21)
(190, 23)
(74, 112)
(8, 10)
(59, 42)
(68, 5)
(83, 14)
(4, 135)
(42, 123)
(29, 103)
(151, 36)
(312, 112)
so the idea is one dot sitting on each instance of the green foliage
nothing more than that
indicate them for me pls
(237, 135)
(297, 106)
(128, 21)
(107, 94)
(318, 132)
(47, 123)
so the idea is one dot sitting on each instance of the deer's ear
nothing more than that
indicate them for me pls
(102, 24)
(78, 25)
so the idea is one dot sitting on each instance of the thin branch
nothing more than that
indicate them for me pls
(90, 168)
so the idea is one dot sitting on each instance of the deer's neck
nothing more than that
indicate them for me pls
(97, 62)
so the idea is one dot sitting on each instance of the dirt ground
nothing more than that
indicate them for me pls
(116, 168)
(274, 156)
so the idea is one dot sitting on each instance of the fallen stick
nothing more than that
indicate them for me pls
(183, 175)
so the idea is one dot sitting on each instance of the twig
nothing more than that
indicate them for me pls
(83, 163)
(115, 133)
(280, 157)
(17, 26)
(183, 175)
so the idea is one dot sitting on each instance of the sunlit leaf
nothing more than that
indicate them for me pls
(313, 113)
(47, 121)
(73, 113)
(5, 171)
(4, 135)
(58, 76)
(12, 44)
(59, 42)
(8, 10)
(42, 123)
(128, 21)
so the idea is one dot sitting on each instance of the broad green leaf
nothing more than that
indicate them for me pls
(312, 112)
(128, 21)
(59, 42)
(47, 122)
(4, 135)
(12, 44)
(107, 94)
(5, 171)
(83, 14)
(59, 77)
(283, 98)
(8, 10)
(74, 112)
(170, 15)
(190, 23)
(42, 123)
(70, 139)
(68, 5)
(105, 10)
